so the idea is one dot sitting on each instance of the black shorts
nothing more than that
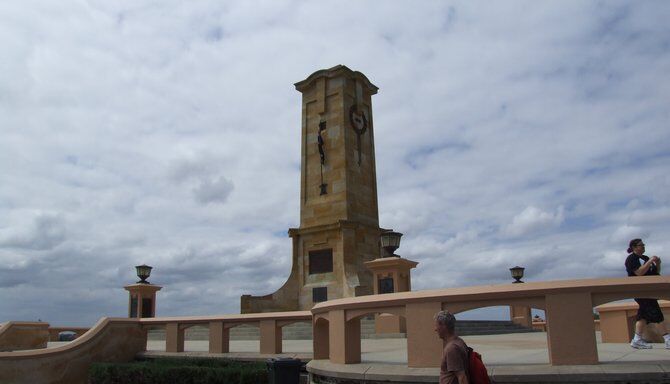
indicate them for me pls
(649, 311)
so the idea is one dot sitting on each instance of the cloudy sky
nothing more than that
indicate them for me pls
(167, 133)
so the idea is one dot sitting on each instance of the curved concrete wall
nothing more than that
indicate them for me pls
(568, 306)
(110, 340)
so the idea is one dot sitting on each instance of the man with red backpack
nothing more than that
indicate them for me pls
(460, 364)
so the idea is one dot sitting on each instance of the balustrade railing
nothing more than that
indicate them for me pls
(568, 307)
(269, 324)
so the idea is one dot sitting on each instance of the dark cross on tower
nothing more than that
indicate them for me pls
(322, 154)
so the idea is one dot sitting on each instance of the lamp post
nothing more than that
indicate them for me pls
(143, 272)
(517, 274)
(519, 314)
(390, 274)
(390, 241)
(142, 295)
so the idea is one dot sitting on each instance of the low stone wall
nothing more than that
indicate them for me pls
(568, 305)
(21, 335)
(110, 340)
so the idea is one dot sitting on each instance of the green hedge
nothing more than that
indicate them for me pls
(178, 371)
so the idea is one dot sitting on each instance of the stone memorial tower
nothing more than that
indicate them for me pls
(339, 220)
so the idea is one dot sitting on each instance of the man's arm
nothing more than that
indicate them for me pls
(457, 362)
(462, 377)
(645, 267)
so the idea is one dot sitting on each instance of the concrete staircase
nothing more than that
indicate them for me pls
(303, 331)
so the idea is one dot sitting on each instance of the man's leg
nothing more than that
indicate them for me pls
(662, 329)
(638, 341)
(640, 326)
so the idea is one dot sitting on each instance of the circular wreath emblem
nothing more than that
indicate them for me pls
(358, 120)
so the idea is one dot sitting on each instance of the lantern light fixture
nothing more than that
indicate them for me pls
(517, 273)
(143, 272)
(390, 241)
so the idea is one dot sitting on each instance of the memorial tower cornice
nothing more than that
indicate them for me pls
(336, 71)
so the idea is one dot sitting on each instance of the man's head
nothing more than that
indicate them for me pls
(445, 323)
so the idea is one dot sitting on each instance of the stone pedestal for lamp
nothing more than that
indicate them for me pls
(390, 275)
(142, 299)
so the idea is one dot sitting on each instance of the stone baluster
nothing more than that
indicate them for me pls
(271, 337)
(571, 334)
(219, 337)
(320, 344)
(345, 338)
(174, 338)
(424, 348)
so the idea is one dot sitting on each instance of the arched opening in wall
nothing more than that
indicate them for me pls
(244, 337)
(155, 337)
(494, 320)
(196, 338)
(297, 337)
(539, 319)
(67, 336)
(502, 327)
(615, 322)
(613, 318)
(320, 341)
(538, 315)
(192, 335)
(618, 319)
(381, 335)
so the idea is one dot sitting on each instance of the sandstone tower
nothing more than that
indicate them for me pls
(339, 219)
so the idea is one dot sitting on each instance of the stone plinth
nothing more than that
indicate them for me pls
(142, 300)
(390, 275)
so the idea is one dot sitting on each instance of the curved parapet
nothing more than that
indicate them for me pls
(568, 305)
(110, 340)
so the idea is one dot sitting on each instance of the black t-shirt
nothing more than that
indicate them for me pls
(633, 264)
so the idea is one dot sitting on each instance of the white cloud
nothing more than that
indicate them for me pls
(533, 219)
(625, 233)
(169, 133)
